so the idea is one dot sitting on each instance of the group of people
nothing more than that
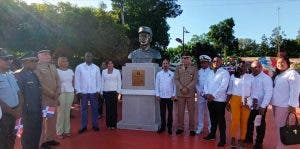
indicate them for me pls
(246, 94)
(41, 95)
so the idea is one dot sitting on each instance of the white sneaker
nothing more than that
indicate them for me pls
(198, 131)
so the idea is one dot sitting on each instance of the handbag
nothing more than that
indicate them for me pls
(290, 134)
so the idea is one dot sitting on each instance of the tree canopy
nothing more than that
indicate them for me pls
(151, 13)
(220, 40)
(70, 30)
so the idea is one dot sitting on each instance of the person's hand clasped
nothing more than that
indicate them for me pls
(157, 98)
(184, 90)
(255, 102)
(210, 97)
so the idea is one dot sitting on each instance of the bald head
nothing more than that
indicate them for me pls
(216, 63)
(256, 67)
(89, 57)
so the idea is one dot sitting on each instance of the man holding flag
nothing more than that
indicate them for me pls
(50, 83)
(32, 108)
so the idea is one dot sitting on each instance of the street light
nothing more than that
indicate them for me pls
(178, 40)
(181, 41)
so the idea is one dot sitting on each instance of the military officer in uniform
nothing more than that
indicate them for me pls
(32, 108)
(186, 76)
(10, 103)
(50, 83)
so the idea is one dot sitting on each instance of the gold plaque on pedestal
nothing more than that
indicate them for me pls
(138, 77)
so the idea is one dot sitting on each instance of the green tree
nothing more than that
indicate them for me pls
(298, 37)
(291, 47)
(63, 28)
(221, 35)
(152, 13)
(276, 40)
(197, 46)
(264, 47)
(247, 47)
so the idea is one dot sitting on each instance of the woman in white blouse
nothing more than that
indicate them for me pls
(237, 94)
(111, 87)
(285, 94)
(66, 77)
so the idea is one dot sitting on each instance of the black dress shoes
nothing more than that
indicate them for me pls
(96, 128)
(45, 146)
(53, 143)
(209, 137)
(160, 130)
(82, 130)
(192, 133)
(179, 131)
(221, 144)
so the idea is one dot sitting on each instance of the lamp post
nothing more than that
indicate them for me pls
(182, 40)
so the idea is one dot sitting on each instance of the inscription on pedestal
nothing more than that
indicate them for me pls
(138, 77)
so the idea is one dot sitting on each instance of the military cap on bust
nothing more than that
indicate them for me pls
(145, 29)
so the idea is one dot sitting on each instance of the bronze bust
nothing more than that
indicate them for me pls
(144, 54)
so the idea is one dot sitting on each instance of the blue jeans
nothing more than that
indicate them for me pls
(84, 109)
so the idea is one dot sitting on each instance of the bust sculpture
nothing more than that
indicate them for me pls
(144, 54)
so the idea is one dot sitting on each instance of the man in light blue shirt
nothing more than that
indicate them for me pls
(9, 102)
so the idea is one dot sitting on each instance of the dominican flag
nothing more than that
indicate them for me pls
(48, 112)
(269, 65)
(19, 127)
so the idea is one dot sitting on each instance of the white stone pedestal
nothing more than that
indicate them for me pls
(140, 110)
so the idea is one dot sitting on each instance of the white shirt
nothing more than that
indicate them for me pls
(164, 84)
(287, 89)
(87, 79)
(202, 84)
(66, 79)
(111, 82)
(217, 85)
(262, 89)
(240, 86)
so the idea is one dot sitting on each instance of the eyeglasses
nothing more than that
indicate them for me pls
(214, 61)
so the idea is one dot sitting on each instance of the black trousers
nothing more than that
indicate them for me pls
(166, 103)
(217, 118)
(260, 130)
(32, 122)
(111, 100)
(100, 105)
(7, 131)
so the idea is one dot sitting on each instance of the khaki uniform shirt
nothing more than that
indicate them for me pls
(49, 81)
(186, 77)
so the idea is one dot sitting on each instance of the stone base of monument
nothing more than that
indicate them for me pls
(140, 109)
